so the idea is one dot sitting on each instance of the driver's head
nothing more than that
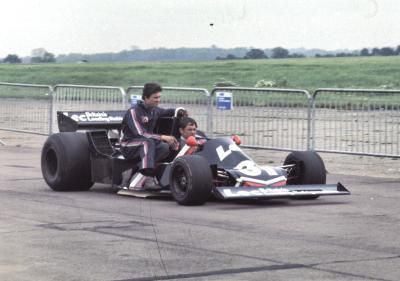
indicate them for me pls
(151, 94)
(187, 127)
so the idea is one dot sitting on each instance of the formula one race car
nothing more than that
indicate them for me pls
(72, 160)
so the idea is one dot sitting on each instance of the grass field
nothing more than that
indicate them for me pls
(305, 73)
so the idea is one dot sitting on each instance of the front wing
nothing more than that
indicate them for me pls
(231, 192)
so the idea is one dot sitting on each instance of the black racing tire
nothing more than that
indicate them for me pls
(309, 169)
(65, 162)
(190, 180)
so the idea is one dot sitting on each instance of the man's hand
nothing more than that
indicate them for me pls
(171, 140)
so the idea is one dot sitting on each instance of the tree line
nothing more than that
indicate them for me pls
(276, 53)
(279, 53)
(41, 55)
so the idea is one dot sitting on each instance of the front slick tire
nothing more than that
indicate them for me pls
(65, 162)
(309, 169)
(190, 180)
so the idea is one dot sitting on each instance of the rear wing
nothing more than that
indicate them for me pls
(72, 121)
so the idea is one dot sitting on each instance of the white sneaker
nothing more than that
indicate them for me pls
(151, 183)
(126, 179)
(140, 182)
(137, 181)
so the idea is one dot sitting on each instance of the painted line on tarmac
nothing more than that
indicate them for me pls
(358, 260)
(257, 269)
(231, 271)
(218, 272)
(280, 264)
(25, 179)
(362, 277)
(20, 166)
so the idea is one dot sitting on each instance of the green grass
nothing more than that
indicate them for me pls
(306, 73)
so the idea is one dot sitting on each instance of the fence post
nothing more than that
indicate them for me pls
(51, 109)
(209, 115)
(312, 117)
(310, 124)
(123, 91)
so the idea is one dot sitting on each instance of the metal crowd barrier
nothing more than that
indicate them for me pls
(84, 97)
(346, 121)
(268, 118)
(359, 122)
(195, 100)
(26, 108)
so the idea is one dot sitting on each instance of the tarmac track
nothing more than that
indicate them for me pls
(97, 235)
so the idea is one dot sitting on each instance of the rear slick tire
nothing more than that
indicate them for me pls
(65, 162)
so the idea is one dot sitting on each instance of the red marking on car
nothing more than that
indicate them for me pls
(279, 183)
(248, 183)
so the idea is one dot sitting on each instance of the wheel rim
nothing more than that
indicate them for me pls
(296, 172)
(179, 181)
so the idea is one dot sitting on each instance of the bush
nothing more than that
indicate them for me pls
(12, 59)
(265, 84)
(281, 83)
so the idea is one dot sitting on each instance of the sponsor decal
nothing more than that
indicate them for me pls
(222, 154)
(248, 168)
(228, 192)
(276, 191)
(145, 119)
(95, 117)
(264, 182)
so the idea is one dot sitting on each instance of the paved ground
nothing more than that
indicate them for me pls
(97, 235)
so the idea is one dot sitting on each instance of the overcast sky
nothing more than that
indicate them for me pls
(90, 26)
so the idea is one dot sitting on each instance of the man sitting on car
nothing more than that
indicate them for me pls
(139, 139)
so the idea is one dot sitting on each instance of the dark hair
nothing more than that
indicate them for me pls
(186, 121)
(149, 89)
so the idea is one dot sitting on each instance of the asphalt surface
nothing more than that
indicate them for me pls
(97, 235)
